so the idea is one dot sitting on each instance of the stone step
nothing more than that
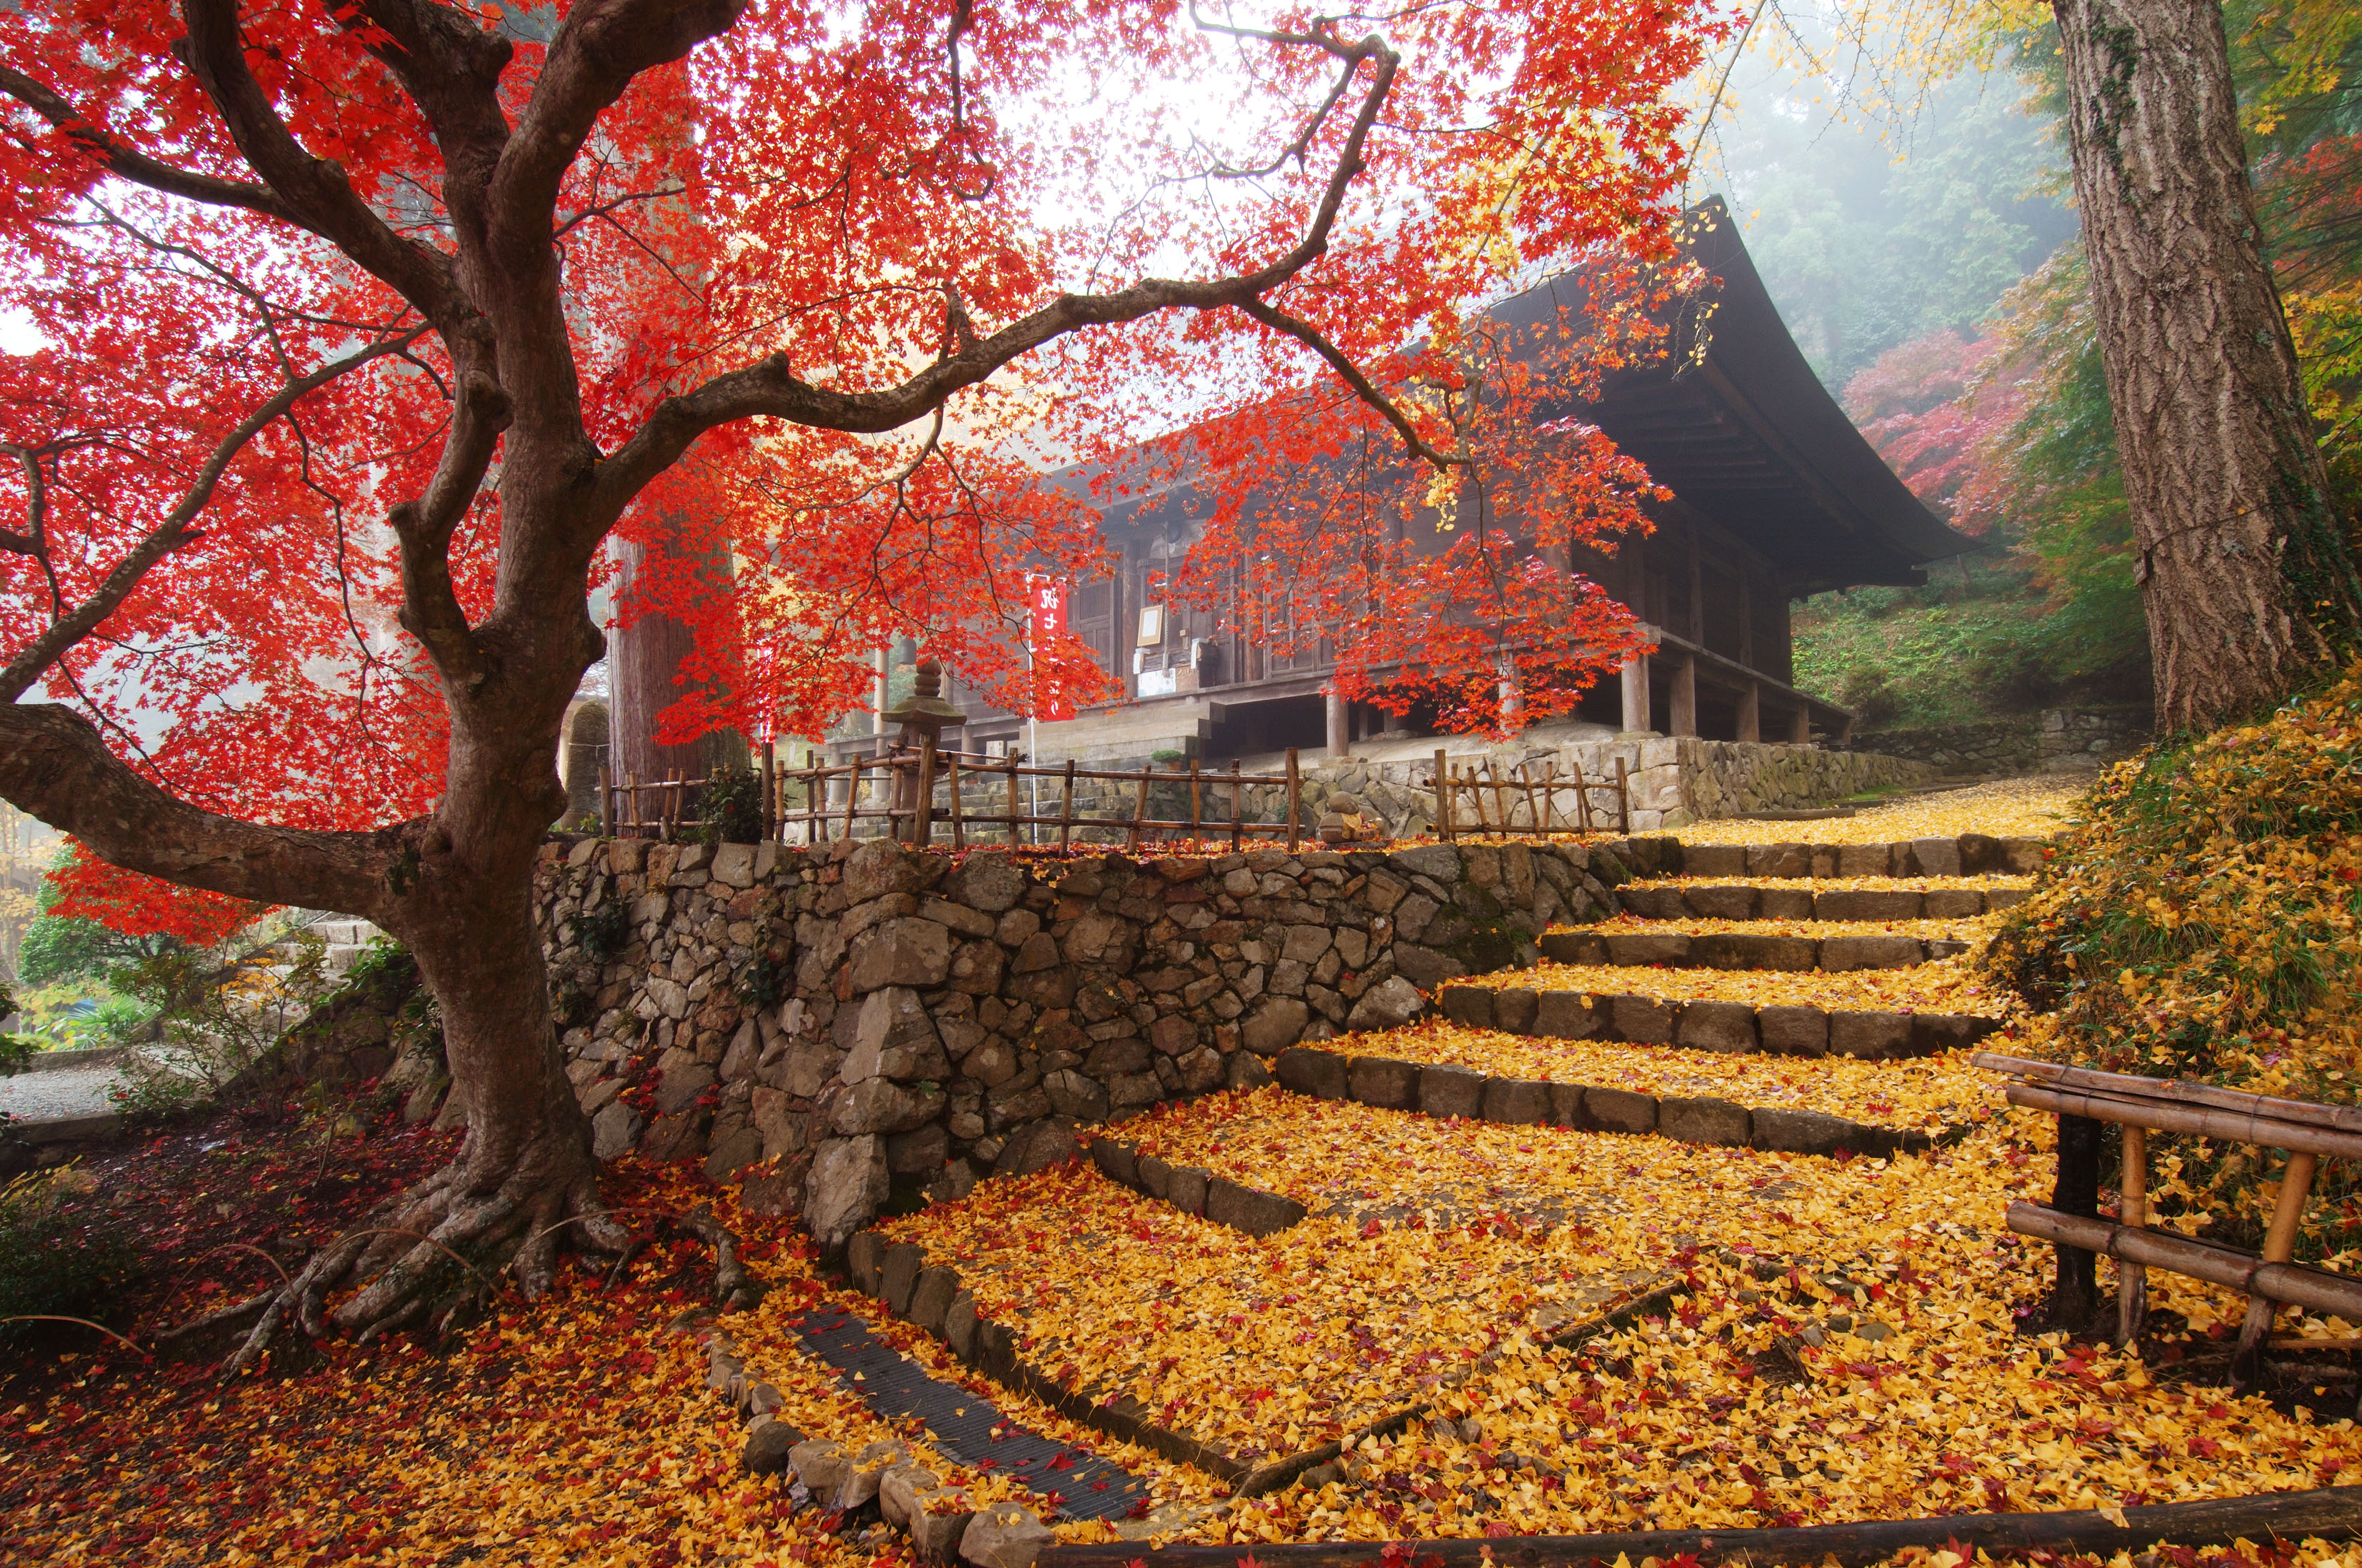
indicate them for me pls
(1803, 1031)
(1435, 1089)
(1969, 854)
(1743, 950)
(345, 933)
(1741, 901)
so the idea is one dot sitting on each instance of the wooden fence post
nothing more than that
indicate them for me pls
(1623, 800)
(2279, 1245)
(959, 825)
(1237, 809)
(1140, 808)
(1442, 795)
(1295, 818)
(770, 793)
(1067, 809)
(2132, 1208)
(1015, 839)
(2077, 1191)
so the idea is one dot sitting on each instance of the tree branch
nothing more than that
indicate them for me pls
(314, 190)
(1350, 374)
(53, 765)
(430, 607)
(137, 167)
(599, 48)
(68, 628)
(770, 387)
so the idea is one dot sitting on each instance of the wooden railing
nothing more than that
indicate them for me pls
(2083, 1098)
(1454, 781)
(838, 797)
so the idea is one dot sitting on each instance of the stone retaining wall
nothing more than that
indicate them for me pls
(2061, 740)
(862, 1015)
(1682, 780)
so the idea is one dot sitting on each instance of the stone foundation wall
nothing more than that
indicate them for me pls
(828, 1025)
(1682, 780)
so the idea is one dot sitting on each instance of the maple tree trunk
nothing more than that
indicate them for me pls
(2244, 569)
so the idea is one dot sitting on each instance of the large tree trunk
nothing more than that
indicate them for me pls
(644, 667)
(2244, 569)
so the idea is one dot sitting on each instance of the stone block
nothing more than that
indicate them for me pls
(1427, 967)
(881, 1106)
(1713, 859)
(1801, 1132)
(1514, 1008)
(1469, 1005)
(1780, 859)
(1116, 1161)
(1753, 951)
(959, 1326)
(769, 1442)
(865, 1255)
(2001, 898)
(1381, 1080)
(919, 1152)
(1865, 860)
(1388, 1005)
(1656, 903)
(1256, 1213)
(1936, 857)
(1620, 1110)
(1450, 1091)
(1037, 1146)
(1982, 852)
(938, 1521)
(1868, 904)
(1573, 946)
(1515, 1101)
(1783, 902)
(931, 1298)
(894, 1037)
(1277, 1023)
(897, 1273)
(1643, 948)
(1643, 1020)
(2024, 856)
(1952, 903)
(1934, 1032)
(1565, 1016)
(1736, 902)
(1186, 1190)
(897, 1491)
(1874, 1037)
(1303, 1070)
(1717, 1026)
(1004, 1536)
(1701, 1120)
(820, 1465)
(1840, 954)
(1793, 1031)
(902, 951)
(864, 1472)
(1566, 1105)
(1155, 1177)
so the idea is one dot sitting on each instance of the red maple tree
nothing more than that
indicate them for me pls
(366, 327)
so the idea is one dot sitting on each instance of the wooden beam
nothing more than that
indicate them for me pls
(2171, 1117)
(2333, 1513)
(1750, 712)
(2125, 1085)
(2291, 1283)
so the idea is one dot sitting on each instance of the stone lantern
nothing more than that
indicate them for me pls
(923, 718)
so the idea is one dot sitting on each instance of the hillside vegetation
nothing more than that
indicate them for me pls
(2200, 922)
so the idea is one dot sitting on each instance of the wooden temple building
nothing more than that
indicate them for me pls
(1776, 496)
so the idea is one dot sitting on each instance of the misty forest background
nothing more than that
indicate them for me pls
(1926, 255)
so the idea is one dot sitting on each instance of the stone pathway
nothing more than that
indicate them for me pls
(968, 1426)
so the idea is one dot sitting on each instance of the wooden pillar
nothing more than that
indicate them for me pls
(1697, 592)
(1800, 726)
(1682, 720)
(1751, 713)
(1636, 693)
(1339, 744)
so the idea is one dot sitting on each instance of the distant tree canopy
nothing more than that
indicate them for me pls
(70, 946)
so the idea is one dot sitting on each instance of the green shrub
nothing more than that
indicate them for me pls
(733, 808)
(60, 1255)
(604, 932)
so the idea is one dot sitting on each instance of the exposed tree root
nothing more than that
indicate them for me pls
(434, 1253)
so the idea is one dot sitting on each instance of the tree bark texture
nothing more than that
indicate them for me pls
(644, 664)
(2245, 571)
